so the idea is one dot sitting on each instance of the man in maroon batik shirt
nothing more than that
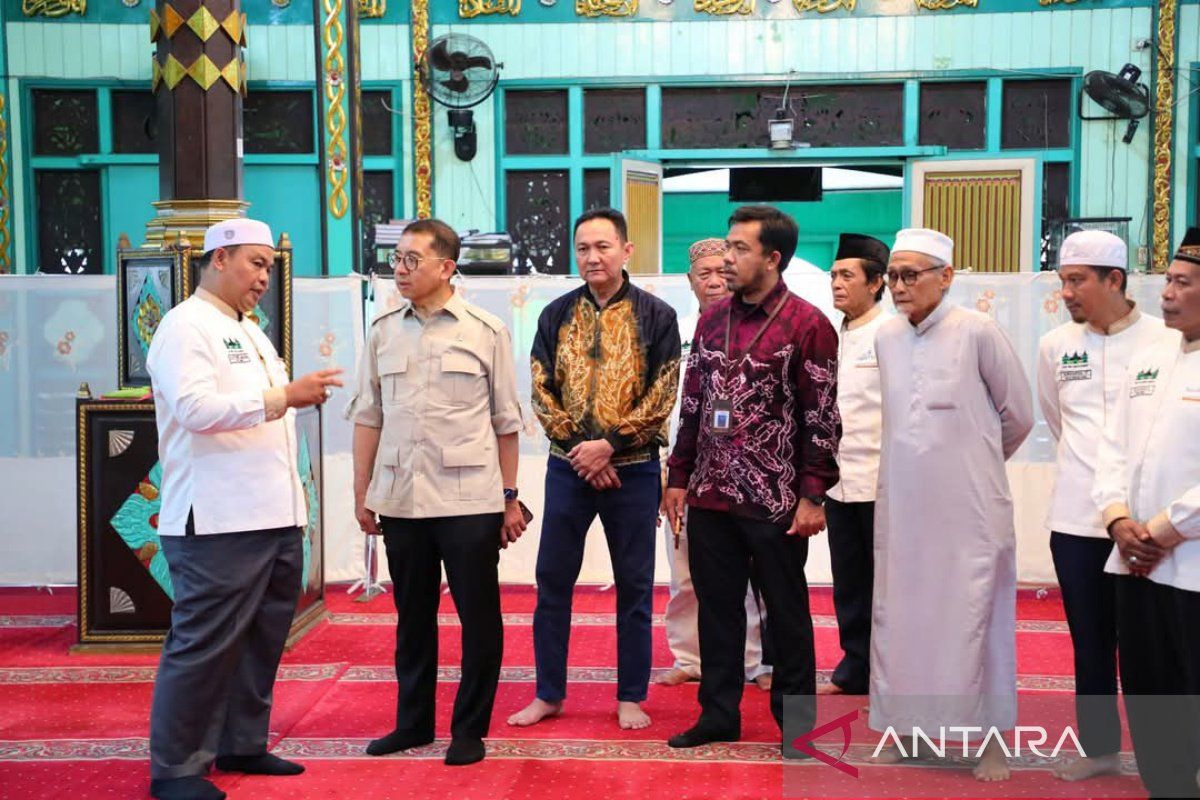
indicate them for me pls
(754, 456)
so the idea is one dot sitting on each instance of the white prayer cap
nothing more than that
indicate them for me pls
(926, 241)
(232, 232)
(1094, 249)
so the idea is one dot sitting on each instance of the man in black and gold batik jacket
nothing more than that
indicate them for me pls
(605, 367)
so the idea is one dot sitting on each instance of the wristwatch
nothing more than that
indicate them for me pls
(815, 499)
(510, 495)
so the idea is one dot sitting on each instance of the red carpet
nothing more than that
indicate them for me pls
(76, 725)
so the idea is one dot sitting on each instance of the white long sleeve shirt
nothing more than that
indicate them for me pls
(1149, 462)
(1080, 372)
(226, 441)
(860, 404)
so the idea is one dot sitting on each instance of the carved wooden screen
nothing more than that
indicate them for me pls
(1036, 114)
(596, 189)
(278, 122)
(954, 114)
(614, 120)
(538, 207)
(535, 122)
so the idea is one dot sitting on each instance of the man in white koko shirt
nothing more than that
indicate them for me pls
(1080, 369)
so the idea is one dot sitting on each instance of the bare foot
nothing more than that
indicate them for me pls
(1083, 768)
(993, 764)
(888, 755)
(829, 688)
(764, 681)
(673, 677)
(534, 713)
(631, 717)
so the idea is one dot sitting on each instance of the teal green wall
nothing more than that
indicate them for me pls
(691, 216)
(288, 197)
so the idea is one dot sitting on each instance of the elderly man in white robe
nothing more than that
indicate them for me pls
(956, 406)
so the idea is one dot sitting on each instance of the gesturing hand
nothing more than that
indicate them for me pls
(312, 389)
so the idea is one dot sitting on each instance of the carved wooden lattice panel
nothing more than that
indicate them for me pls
(597, 189)
(954, 114)
(1036, 114)
(535, 123)
(134, 122)
(376, 123)
(278, 122)
(378, 207)
(65, 123)
(70, 237)
(538, 206)
(825, 116)
(614, 120)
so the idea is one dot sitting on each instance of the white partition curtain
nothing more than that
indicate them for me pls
(58, 331)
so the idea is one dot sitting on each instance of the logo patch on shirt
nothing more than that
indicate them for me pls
(867, 360)
(1192, 394)
(1144, 383)
(1074, 367)
(237, 354)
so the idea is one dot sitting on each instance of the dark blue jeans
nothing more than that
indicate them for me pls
(629, 515)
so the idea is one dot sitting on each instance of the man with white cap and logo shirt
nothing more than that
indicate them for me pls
(232, 513)
(1148, 489)
(956, 405)
(1080, 371)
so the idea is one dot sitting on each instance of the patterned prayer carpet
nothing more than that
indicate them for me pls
(76, 724)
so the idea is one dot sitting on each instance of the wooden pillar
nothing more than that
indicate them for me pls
(199, 79)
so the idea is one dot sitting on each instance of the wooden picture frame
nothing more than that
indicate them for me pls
(149, 284)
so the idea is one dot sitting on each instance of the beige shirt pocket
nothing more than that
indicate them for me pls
(463, 380)
(394, 379)
(476, 468)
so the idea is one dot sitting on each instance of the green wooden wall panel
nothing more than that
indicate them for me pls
(384, 52)
(288, 199)
(1187, 181)
(130, 190)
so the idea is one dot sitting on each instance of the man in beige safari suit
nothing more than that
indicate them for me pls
(436, 420)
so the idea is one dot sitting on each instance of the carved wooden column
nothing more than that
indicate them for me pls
(199, 78)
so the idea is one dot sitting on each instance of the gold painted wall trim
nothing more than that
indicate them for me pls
(945, 5)
(1164, 133)
(422, 116)
(469, 9)
(334, 80)
(53, 8)
(5, 259)
(724, 7)
(606, 8)
(823, 6)
(372, 9)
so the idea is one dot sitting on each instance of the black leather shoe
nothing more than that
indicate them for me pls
(396, 741)
(464, 751)
(192, 787)
(701, 733)
(261, 764)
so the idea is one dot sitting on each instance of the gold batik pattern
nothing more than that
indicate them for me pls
(555, 421)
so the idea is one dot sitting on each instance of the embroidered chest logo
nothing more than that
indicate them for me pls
(1144, 383)
(866, 359)
(237, 354)
(1074, 367)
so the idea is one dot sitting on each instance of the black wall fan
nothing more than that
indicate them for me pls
(459, 72)
(1120, 95)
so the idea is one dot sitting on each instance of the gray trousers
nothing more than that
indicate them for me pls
(235, 596)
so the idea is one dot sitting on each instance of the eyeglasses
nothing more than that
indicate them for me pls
(909, 276)
(409, 261)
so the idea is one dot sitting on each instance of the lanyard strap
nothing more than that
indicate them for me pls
(729, 331)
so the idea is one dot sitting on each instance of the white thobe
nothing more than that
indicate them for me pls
(1150, 457)
(956, 405)
(858, 402)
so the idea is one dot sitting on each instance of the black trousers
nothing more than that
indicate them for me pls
(721, 547)
(1159, 628)
(1090, 600)
(469, 546)
(235, 596)
(852, 560)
